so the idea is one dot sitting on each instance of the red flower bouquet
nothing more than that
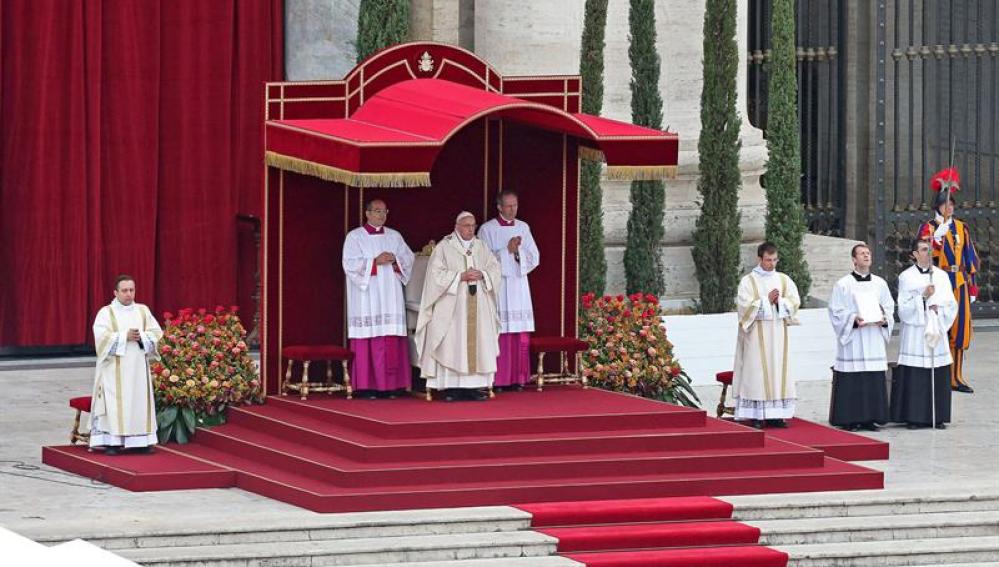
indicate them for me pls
(629, 351)
(204, 367)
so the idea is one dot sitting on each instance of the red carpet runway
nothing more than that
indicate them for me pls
(653, 532)
(329, 454)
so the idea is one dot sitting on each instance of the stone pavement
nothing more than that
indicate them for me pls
(34, 412)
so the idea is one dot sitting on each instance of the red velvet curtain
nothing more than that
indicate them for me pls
(131, 135)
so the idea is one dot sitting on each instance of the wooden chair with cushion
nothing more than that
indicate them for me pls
(566, 347)
(725, 379)
(81, 405)
(307, 354)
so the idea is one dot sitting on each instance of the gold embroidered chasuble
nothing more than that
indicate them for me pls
(457, 333)
(122, 397)
(761, 382)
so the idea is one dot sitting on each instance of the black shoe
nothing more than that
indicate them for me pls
(914, 426)
(778, 423)
(964, 389)
(852, 427)
(756, 424)
(941, 425)
(479, 396)
(517, 387)
(148, 450)
(870, 426)
(112, 451)
(368, 395)
(450, 395)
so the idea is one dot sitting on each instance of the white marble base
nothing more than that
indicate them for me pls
(705, 344)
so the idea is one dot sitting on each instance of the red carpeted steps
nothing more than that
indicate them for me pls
(456, 468)
(548, 514)
(520, 413)
(674, 532)
(329, 454)
(735, 556)
(288, 423)
(643, 536)
(162, 470)
(836, 443)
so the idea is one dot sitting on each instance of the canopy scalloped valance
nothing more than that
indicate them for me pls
(393, 138)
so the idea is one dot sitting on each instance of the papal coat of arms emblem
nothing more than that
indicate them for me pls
(426, 63)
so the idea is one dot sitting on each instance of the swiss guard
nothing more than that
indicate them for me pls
(953, 252)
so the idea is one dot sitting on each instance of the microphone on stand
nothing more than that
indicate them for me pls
(472, 288)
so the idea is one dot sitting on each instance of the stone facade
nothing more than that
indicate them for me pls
(319, 39)
(520, 38)
(507, 37)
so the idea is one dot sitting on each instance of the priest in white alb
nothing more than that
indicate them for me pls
(457, 331)
(926, 309)
(862, 313)
(378, 263)
(122, 410)
(766, 304)
(511, 241)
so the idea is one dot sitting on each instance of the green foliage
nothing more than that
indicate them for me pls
(717, 232)
(592, 263)
(643, 265)
(380, 24)
(591, 56)
(785, 224)
(175, 423)
(646, 102)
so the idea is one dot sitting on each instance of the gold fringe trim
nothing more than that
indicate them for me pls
(591, 154)
(641, 172)
(352, 178)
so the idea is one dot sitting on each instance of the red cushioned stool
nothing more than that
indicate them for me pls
(313, 353)
(725, 378)
(566, 347)
(81, 404)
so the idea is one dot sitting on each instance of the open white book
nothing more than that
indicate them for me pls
(868, 307)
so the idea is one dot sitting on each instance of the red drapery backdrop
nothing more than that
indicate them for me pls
(130, 137)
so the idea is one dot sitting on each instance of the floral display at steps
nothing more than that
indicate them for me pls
(204, 368)
(629, 351)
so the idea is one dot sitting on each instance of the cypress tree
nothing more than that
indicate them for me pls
(643, 265)
(381, 23)
(717, 233)
(785, 224)
(592, 262)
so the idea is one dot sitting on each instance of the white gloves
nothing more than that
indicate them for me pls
(941, 231)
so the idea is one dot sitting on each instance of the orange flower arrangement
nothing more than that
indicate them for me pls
(629, 351)
(204, 368)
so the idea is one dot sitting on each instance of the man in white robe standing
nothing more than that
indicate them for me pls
(511, 241)
(862, 313)
(766, 304)
(926, 309)
(457, 331)
(378, 263)
(122, 411)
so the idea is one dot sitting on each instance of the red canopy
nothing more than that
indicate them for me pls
(393, 138)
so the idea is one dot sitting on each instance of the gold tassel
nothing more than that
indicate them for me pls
(351, 178)
(591, 154)
(641, 172)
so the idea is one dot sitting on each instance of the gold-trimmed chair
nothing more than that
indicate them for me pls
(725, 379)
(307, 354)
(566, 347)
(81, 405)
